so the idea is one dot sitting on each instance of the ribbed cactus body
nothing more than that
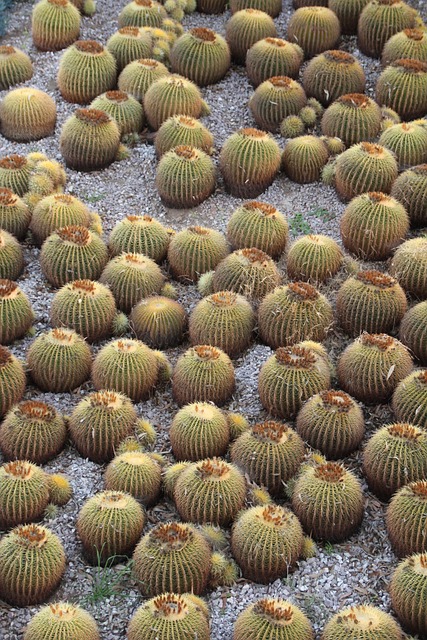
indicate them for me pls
(409, 43)
(348, 13)
(409, 143)
(332, 74)
(304, 158)
(413, 331)
(272, 7)
(142, 13)
(199, 430)
(24, 493)
(362, 621)
(353, 118)
(27, 114)
(195, 251)
(135, 473)
(410, 188)
(14, 175)
(402, 86)
(159, 322)
(266, 542)
(249, 272)
(16, 312)
(409, 266)
(56, 211)
(171, 475)
(211, 6)
(275, 99)
(129, 44)
(61, 620)
(271, 57)
(11, 256)
(139, 234)
(409, 401)
(365, 167)
(380, 20)
(60, 489)
(15, 66)
(183, 130)
(272, 618)
(139, 75)
(172, 95)
(405, 519)
(407, 589)
(314, 29)
(246, 27)
(314, 258)
(259, 225)
(55, 24)
(12, 380)
(123, 108)
(201, 55)
(14, 214)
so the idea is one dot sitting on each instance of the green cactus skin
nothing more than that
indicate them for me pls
(409, 401)
(291, 376)
(203, 374)
(172, 557)
(89, 140)
(139, 234)
(334, 146)
(159, 322)
(407, 589)
(244, 29)
(137, 474)
(238, 424)
(132, 277)
(332, 74)
(12, 380)
(211, 6)
(215, 536)
(370, 301)
(362, 621)
(11, 256)
(60, 489)
(314, 258)
(365, 167)
(100, 422)
(129, 44)
(62, 620)
(14, 175)
(14, 214)
(412, 331)
(249, 272)
(259, 225)
(56, 211)
(32, 563)
(109, 524)
(86, 306)
(348, 13)
(172, 95)
(379, 20)
(304, 158)
(275, 99)
(331, 422)
(16, 312)
(224, 571)
(171, 475)
(211, 491)
(273, 57)
(272, 7)
(15, 66)
(269, 453)
(292, 127)
(59, 360)
(394, 456)
(199, 430)
(353, 118)
(372, 225)
(409, 267)
(402, 86)
(249, 162)
(410, 188)
(138, 76)
(308, 116)
(314, 29)
(409, 43)
(142, 13)
(86, 69)
(224, 320)
(201, 55)
(328, 501)
(266, 542)
(195, 251)
(33, 431)
(293, 313)
(205, 284)
(406, 520)
(409, 143)
(72, 253)
(169, 617)
(123, 108)
(185, 177)
(272, 619)
(55, 24)
(183, 130)
(24, 493)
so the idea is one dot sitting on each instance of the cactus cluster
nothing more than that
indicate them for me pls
(379, 20)
(129, 44)
(249, 272)
(275, 99)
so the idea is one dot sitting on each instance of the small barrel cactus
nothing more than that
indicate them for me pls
(55, 24)
(195, 251)
(332, 74)
(56, 211)
(272, 618)
(409, 266)
(139, 234)
(15, 66)
(353, 118)
(14, 214)
(379, 20)
(249, 272)
(413, 331)
(304, 158)
(61, 620)
(201, 55)
(24, 493)
(348, 13)
(271, 57)
(410, 188)
(409, 401)
(211, 6)
(245, 28)
(275, 99)
(16, 312)
(11, 258)
(27, 114)
(402, 86)
(129, 44)
(159, 322)
(314, 258)
(408, 141)
(183, 130)
(199, 430)
(12, 380)
(409, 43)
(314, 29)
(139, 75)
(60, 489)
(365, 167)
(405, 519)
(259, 225)
(171, 475)
(407, 588)
(142, 13)
(14, 175)
(360, 621)
(272, 7)
(123, 108)
(172, 95)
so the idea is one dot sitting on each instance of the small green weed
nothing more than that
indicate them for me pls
(328, 548)
(108, 581)
(300, 225)
(93, 198)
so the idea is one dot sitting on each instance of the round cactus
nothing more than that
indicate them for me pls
(89, 140)
(245, 28)
(272, 7)
(195, 251)
(61, 620)
(11, 257)
(225, 320)
(271, 57)
(169, 616)
(370, 301)
(272, 618)
(14, 175)
(410, 399)
(293, 313)
(412, 331)
(380, 20)
(250, 272)
(210, 491)
(32, 563)
(24, 493)
(15, 66)
(238, 424)
(139, 234)
(59, 360)
(12, 380)
(72, 253)
(258, 225)
(291, 376)
(182, 131)
(14, 214)
(335, 146)
(304, 158)
(123, 108)
(405, 519)
(408, 141)
(372, 225)
(141, 13)
(109, 524)
(249, 162)
(172, 557)
(365, 167)
(199, 430)
(201, 55)
(409, 43)
(407, 588)
(359, 622)
(56, 211)
(27, 114)
(129, 44)
(410, 188)
(332, 422)
(203, 373)
(292, 127)
(394, 456)
(409, 266)
(132, 277)
(314, 258)
(275, 99)
(402, 86)
(353, 118)
(266, 542)
(171, 475)
(139, 75)
(55, 24)
(314, 29)
(33, 431)
(16, 312)
(332, 74)
(60, 489)
(159, 322)
(328, 500)
(126, 366)
(172, 95)
(136, 473)
(86, 69)
(348, 13)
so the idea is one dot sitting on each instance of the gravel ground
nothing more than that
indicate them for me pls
(356, 571)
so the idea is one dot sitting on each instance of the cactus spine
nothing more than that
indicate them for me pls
(409, 43)
(407, 590)
(14, 175)
(314, 258)
(275, 99)
(61, 620)
(410, 399)
(250, 272)
(412, 331)
(409, 266)
(27, 114)
(399, 80)
(272, 618)
(409, 143)
(304, 158)
(199, 430)
(359, 621)
(353, 118)
(16, 313)
(410, 188)
(172, 95)
(365, 167)
(139, 75)
(195, 251)
(169, 615)
(14, 214)
(259, 225)
(135, 473)
(15, 66)
(405, 519)
(201, 55)
(314, 29)
(246, 27)
(273, 57)
(12, 380)
(123, 108)
(129, 44)
(55, 24)
(332, 74)
(24, 493)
